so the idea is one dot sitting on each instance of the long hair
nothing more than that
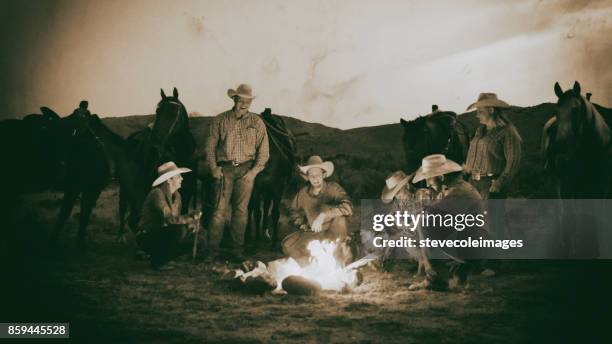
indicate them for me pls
(500, 119)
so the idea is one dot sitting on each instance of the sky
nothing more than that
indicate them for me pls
(345, 64)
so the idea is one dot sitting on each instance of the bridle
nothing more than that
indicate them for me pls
(179, 107)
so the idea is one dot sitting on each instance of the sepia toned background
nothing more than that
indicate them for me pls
(341, 63)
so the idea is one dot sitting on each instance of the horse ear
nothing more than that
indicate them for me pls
(49, 113)
(558, 90)
(163, 95)
(175, 93)
(576, 88)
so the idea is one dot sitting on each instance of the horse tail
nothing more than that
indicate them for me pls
(547, 133)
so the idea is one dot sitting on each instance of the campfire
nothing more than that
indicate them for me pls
(322, 272)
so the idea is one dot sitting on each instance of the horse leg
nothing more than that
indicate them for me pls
(267, 204)
(188, 193)
(257, 217)
(88, 202)
(123, 204)
(275, 217)
(65, 210)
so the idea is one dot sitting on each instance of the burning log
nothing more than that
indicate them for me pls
(298, 285)
(323, 272)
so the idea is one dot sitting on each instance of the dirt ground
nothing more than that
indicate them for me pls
(108, 295)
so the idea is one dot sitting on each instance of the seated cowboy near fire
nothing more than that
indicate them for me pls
(453, 196)
(403, 197)
(162, 231)
(319, 210)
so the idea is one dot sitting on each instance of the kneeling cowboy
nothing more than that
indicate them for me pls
(162, 231)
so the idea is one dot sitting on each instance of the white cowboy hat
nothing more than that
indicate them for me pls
(435, 165)
(316, 161)
(167, 171)
(243, 91)
(489, 100)
(394, 182)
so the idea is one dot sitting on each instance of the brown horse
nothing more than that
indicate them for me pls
(36, 147)
(440, 132)
(94, 153)
(170, 139)
(577, 144)
(269, 186)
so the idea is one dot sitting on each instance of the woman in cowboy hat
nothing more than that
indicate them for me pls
(237, 151)
(319, 210)
(454, 196)
(162, 229)
(494, 154)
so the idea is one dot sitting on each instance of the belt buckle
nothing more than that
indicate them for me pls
(476, 175)
(234, 163)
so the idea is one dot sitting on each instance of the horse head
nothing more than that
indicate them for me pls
(570, 114)
(279, 134)
(425, 135)
(170, 118)
(578, 121)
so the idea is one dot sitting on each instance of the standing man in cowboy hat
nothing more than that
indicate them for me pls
(494, 154)
(454, 196)
(237, 150)
(162, 230)
(319, 209)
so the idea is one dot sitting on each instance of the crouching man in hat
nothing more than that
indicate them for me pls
(458, 198)
(162, 231)
(319, 210)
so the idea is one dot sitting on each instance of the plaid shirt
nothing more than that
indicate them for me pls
(332, 199)
(238, 140)
(496, 151)
(160, 209)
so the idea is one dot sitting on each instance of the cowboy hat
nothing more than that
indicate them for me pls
(316, 161)
(167, 171)
(243, 91)
(489, 100)
(394, 182)
(435, 165)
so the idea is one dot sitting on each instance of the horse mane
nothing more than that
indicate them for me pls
(99, 125)
(597, 122)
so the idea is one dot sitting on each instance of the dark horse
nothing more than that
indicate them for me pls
(94, 151)
(169, 139)
(440, 132)
(577, 144)
(270, 184)
(36, 147)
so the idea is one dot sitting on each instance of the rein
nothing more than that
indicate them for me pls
(162, 150)
(283, 150)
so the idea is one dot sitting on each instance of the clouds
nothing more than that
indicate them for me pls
(343, 63)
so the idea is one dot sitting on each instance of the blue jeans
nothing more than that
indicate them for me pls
(234, 190)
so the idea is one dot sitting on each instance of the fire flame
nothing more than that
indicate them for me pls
(322, 268)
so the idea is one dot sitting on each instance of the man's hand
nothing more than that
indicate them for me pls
(495, 188)
(217, 173)
(317, 224)
(194, 219)
(250, 176)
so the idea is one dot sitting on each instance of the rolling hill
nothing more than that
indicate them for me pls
(364, 156)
